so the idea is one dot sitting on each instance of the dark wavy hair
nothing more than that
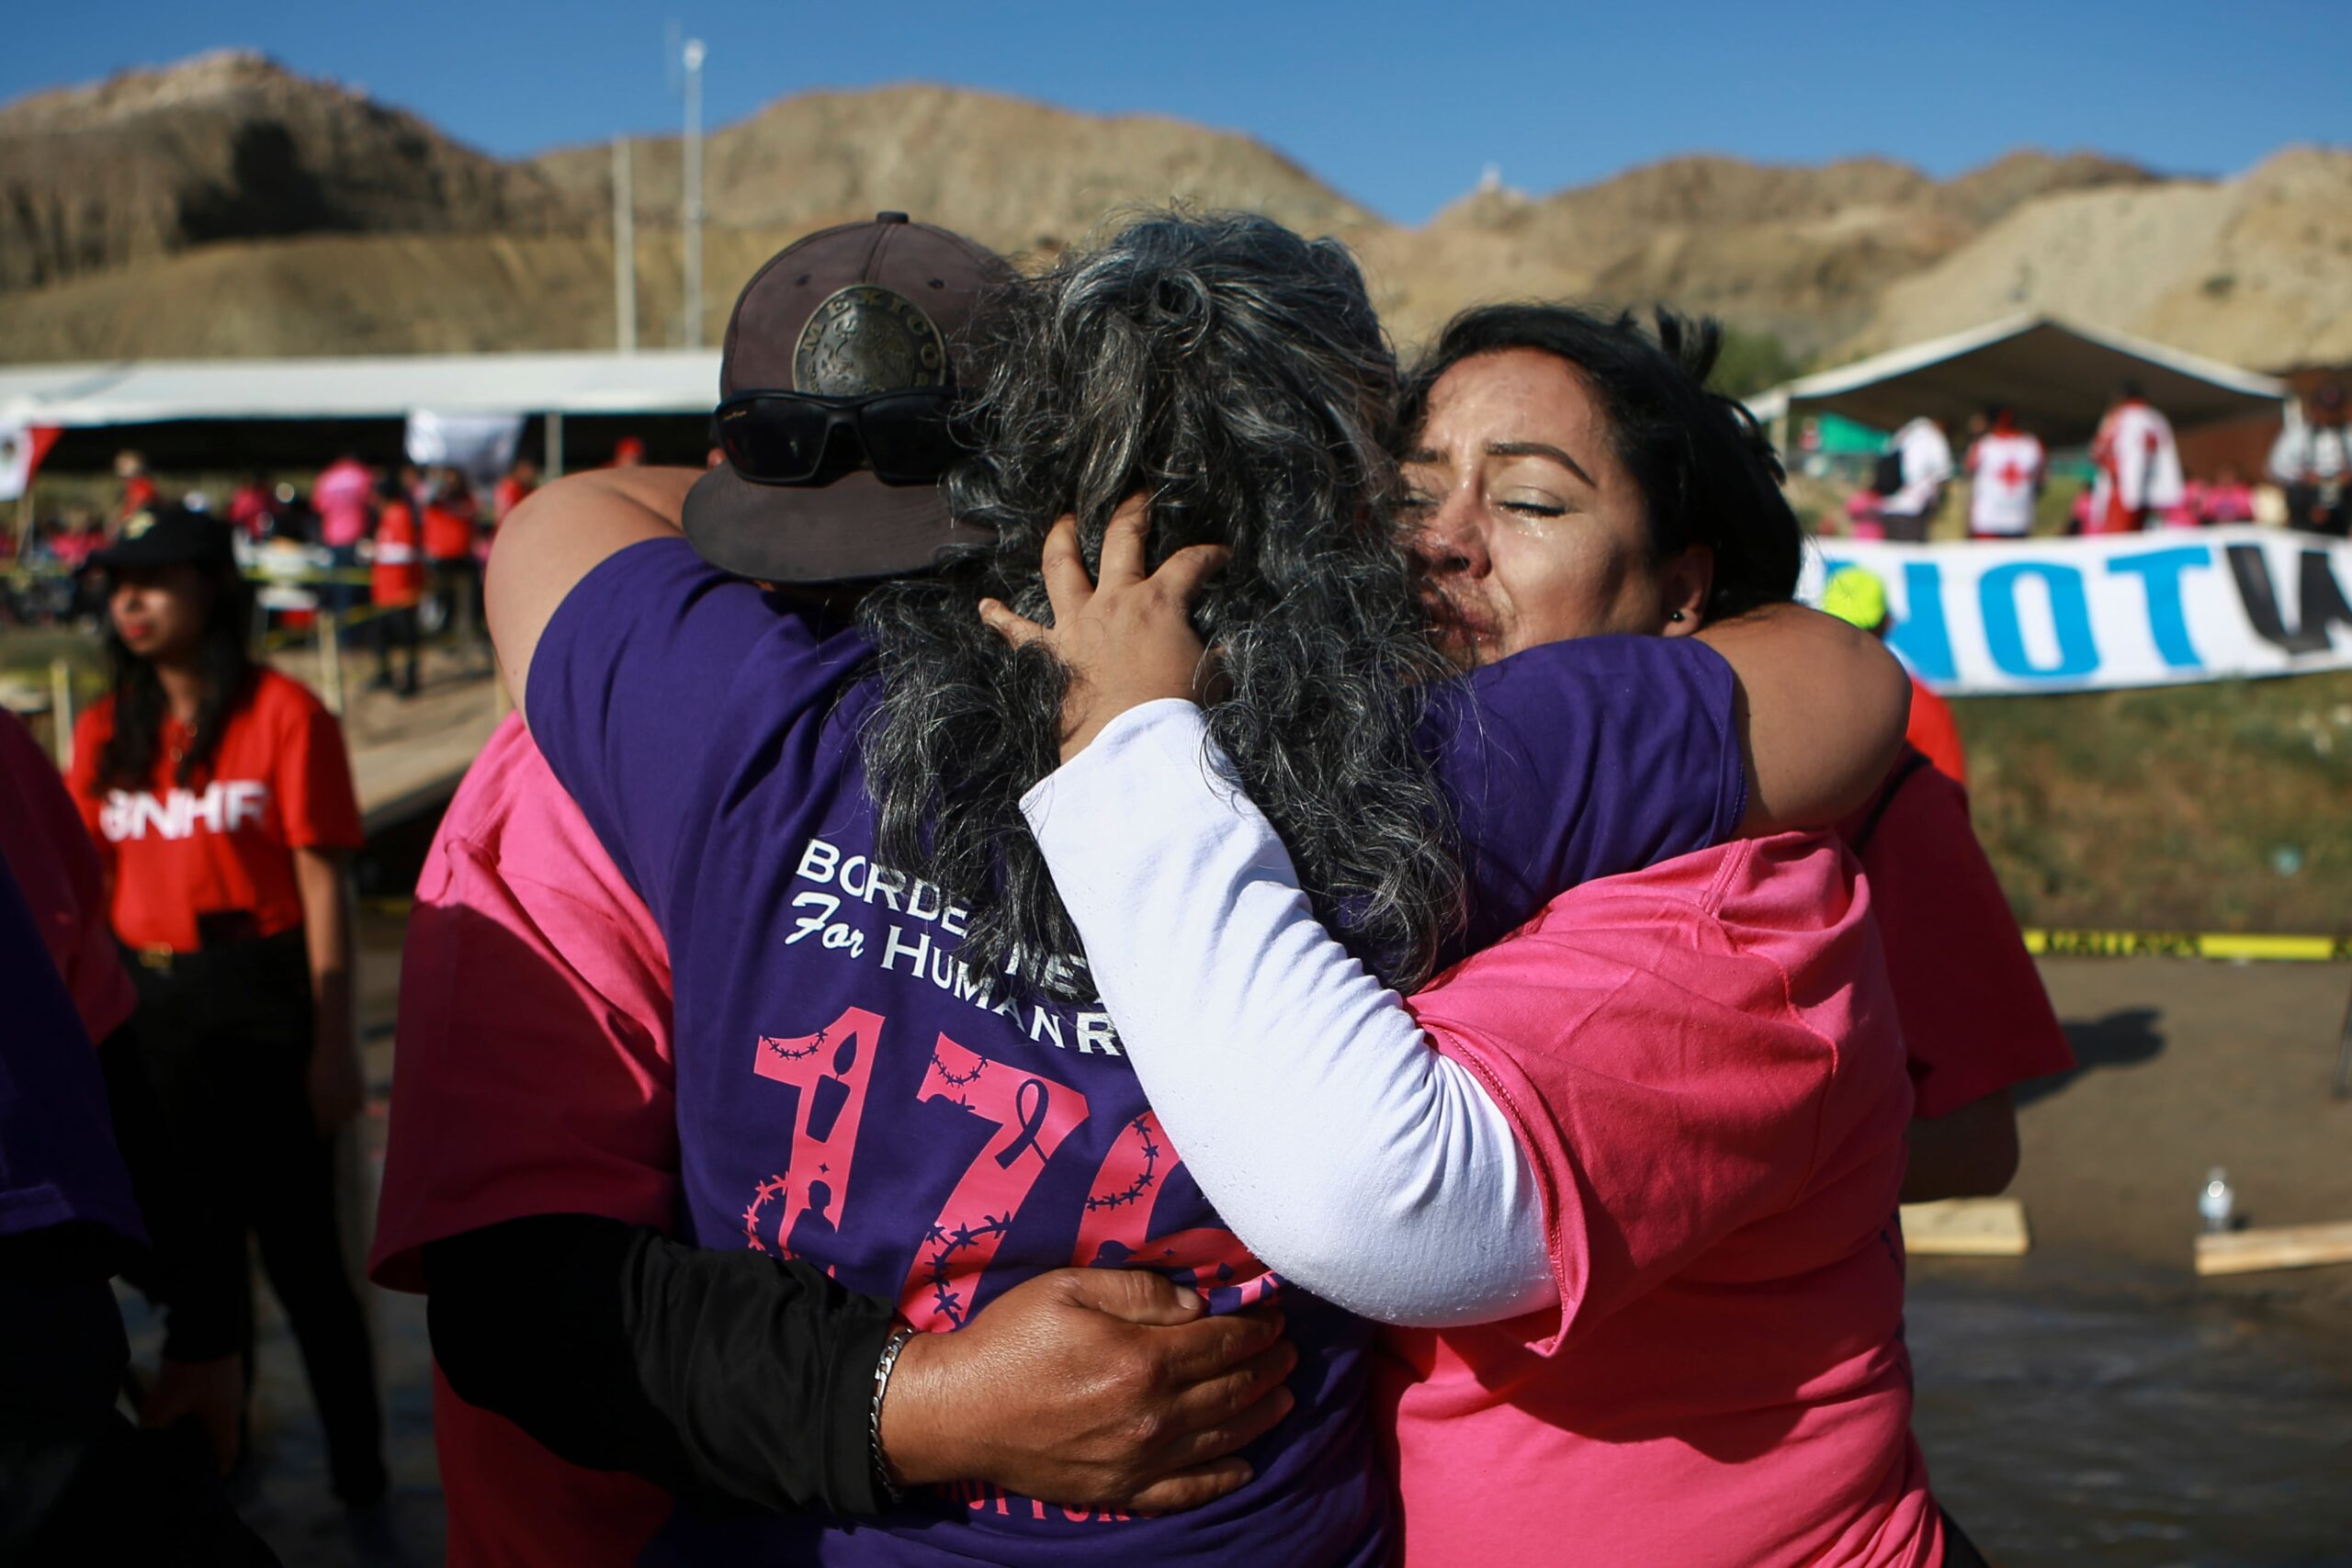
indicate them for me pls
(1706, 471)
(224, 656)
(1237, 375)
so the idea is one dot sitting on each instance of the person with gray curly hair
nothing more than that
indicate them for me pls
(1236, 375)
(890, 1062)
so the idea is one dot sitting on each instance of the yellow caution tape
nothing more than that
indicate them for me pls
(2190, 944)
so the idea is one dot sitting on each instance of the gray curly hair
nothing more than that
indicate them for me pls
(1236, 374)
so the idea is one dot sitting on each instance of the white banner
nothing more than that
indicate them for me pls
(480, 445)
(2154, 609)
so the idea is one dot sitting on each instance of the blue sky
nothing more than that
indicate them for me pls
(1398, 106)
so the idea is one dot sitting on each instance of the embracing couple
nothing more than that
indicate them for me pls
(1161, 944)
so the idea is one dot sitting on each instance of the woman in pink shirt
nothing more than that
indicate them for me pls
(1626, 1180)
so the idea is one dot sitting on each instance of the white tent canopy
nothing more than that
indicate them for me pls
(2058, 376)
(386, 386)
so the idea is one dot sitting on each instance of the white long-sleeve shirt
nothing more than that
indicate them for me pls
(1347, 1154)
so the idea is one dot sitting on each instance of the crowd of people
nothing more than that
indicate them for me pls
(390, 545)
(2137, 478)
(1129, 934)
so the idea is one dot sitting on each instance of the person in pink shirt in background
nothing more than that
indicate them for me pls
(342, 495)
(2189, 512)
(197, 1259)
(2229, 498)
(42, 839)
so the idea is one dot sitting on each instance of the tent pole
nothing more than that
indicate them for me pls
(624, 250)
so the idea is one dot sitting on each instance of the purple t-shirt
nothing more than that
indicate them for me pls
(849, 1093)
(58, 1161)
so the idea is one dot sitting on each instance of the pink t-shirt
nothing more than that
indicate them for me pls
(1702, 1061)
(532, 1076)
(57, 864)
(342, 495)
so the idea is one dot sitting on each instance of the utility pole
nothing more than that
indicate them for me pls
(624, 250)
(693, 57)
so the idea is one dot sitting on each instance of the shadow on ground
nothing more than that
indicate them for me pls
(2125, 1038)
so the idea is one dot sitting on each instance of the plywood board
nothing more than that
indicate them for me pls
(1965, 1227)
(2276, 1247)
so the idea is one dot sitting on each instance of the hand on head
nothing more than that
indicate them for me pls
(1127, 640)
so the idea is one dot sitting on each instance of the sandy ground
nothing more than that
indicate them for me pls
(2184, 1065)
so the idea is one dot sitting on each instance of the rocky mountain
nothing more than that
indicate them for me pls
(226, 206)
(230, 146)
(2255, 270)
(1796, 251)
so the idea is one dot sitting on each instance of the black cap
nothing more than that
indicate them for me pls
(166, 536)
(852, 310)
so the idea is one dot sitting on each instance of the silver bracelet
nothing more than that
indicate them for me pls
(890, 1349)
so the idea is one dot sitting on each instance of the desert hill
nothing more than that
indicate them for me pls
(2257, 270)
(1019, 177)
(230, 146)
(226, 206)
(1799, 252)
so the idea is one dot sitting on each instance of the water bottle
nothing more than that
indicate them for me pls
(2216, 1201)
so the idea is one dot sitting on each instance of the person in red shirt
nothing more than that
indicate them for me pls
(396, 584)
(1976, 1021)
(253, 508)
(514, 488)
(1975, 1018)
(449, 535)
(1856, 595)
(220, 796)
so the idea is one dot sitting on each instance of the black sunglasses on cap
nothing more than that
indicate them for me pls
(783, 438)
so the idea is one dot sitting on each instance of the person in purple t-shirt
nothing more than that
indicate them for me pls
(887, 1058)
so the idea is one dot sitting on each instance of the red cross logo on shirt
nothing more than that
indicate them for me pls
(2012, 473)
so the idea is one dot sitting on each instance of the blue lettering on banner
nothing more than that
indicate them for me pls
(2159, 573)
(1920, 638)
(2070, 615)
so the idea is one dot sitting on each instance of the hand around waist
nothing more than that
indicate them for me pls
(1098, 1388)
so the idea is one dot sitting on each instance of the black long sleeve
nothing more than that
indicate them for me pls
(725, 1376)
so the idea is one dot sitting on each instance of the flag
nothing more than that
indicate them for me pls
(22, 447)
(482, 446)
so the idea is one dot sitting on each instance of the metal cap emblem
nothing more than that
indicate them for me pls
(866, 339)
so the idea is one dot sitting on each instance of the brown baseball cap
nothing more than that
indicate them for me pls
(849, 311)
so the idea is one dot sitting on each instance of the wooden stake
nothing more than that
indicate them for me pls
(61, 711)
(1966, 1227)
(329, 626)
(2278, 1247)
